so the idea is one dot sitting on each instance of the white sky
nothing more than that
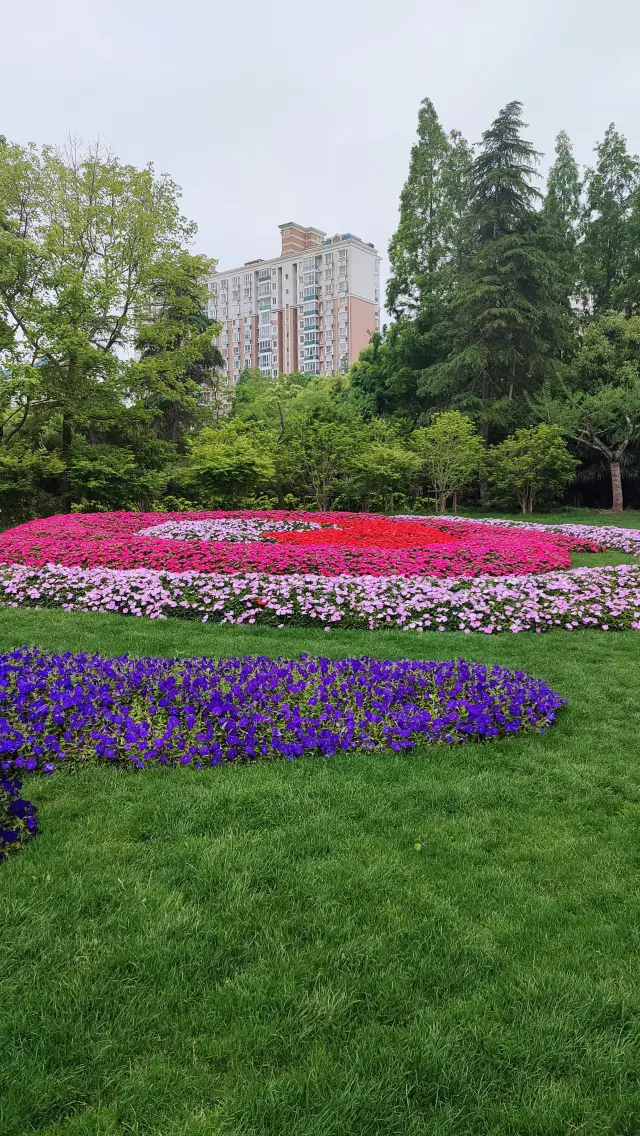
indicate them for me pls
(215, 93)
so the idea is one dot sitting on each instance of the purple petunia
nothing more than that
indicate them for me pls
(18, 817)
(58, 709)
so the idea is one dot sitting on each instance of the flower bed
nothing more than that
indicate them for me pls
(605, 536)
(604, 598)
(18, 817)
(63, 709)
(371, 546)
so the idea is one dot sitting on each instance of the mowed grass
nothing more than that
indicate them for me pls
(263, 949)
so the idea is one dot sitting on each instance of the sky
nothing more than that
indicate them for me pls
(265, 112)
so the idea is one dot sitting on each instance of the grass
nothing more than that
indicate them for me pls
(629, 519)
(263, 951)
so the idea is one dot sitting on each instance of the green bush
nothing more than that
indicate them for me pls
(529, 467)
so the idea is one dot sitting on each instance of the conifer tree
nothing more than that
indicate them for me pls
(562, 209)
(432, 202)
(508, 312)
(611, 190)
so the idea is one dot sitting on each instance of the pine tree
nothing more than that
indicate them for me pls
(508, 313)
(611, 189)
(431, 203)
(562, 209)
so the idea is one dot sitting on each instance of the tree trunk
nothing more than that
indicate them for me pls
(483, 430)
(455, 500)
(65, 454)
(279, 491)
(616, 487)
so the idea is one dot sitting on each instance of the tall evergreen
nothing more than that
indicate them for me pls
(611, 190)
(561, 211)
(508, 312)
(432, 201)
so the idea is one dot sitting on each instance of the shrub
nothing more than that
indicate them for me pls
(531, 466)
(451, 453)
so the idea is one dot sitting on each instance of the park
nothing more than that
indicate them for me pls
(319, 717)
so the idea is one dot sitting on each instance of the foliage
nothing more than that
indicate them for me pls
(531, 466)
(561, 212)
(600, 405)
(451, 454)
(432, 203)
(104, 476)
(229, 462)
(24, 476)
(611, 188)
(174, 338)
(508, 314)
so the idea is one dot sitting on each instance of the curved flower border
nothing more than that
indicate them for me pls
(602, 598)
(364, 545)
(67, 709)
(607, 599)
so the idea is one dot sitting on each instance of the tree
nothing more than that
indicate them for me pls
(432, 201)
(229, 463)
(271, 402)
(82, 239)
(174, 339)
(508, 315)
(610, 188)
(389, 372)
(379, 466)
(530, 465)
(601, 409)
(561, 211)
(450, 453)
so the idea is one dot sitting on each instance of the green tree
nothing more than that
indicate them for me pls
(177, 357)
(601, 407)
(271, 402)
(450, 453)
(610, 188)
(508, 315)
(104, 476)
(23, 475)
(432, 202)
(229, 463)
(388, 377)
(529, 466)
(380, 466)
(561, 211)
(82, 238)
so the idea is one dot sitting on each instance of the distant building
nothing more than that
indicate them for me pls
(313, 308)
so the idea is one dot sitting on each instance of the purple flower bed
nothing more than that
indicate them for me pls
(603, 598)
(17, 817)
(57, 710)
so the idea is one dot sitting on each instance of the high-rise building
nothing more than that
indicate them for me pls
(313, 308)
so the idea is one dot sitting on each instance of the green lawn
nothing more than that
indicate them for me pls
(262, 950)
(630, 519)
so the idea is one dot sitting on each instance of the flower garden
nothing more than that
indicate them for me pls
(328, 570)
(471, 818)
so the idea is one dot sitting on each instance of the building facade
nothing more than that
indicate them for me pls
(313, 308)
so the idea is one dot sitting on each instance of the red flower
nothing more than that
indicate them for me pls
(361, 545)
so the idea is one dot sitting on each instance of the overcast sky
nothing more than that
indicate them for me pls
(267, 111)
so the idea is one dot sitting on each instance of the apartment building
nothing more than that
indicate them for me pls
(313, 308)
